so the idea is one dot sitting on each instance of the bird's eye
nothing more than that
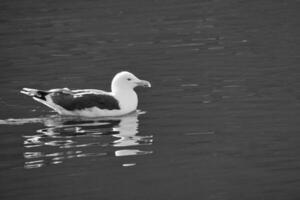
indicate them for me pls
(129, 79)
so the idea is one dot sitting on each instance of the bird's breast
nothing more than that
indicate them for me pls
(128, 101)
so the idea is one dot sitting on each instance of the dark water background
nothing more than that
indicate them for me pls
(221, 121)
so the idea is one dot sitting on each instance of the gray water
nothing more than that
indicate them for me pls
(220, 122)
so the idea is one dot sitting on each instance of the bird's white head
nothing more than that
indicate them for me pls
(126, 80)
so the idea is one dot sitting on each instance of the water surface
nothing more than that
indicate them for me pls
(220, 122)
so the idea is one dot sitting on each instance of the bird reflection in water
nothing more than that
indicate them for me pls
(69, 138)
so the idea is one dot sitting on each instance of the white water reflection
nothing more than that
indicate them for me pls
(66, 138)
(127, 131)
(131, 152)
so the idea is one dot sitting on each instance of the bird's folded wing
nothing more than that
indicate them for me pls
(63, 90)
(84, 99)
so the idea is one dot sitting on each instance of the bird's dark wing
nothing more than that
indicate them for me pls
(82, 100)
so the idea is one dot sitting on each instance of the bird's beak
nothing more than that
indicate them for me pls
(143, 83)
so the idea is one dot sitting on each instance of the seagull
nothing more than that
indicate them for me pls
(92, 102)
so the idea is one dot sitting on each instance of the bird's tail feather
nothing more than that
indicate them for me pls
(40, 94)
(29, 91)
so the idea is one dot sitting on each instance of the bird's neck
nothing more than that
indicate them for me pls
(127, 98)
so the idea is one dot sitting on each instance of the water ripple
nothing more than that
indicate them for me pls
(65, 138)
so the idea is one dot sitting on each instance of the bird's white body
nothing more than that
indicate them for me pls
(120, 101)
(128, 102)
